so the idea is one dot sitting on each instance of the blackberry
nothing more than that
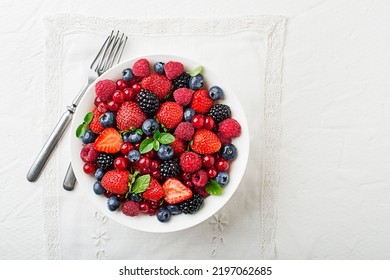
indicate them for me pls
(190, 206)
(105, 161)
(148, 102)
(169, 169)
(181, 81)
(220, 112)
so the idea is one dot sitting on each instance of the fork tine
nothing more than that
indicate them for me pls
(101, 49)
(116, 51)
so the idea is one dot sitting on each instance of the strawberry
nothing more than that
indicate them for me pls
(154, 192)
(205, 142)
(116, 181)
(141, 68)
(179, 146)
(173, 69)
(104, 89)
(129, 116)
(95, 124)
(109, 141)
(175, 191)
(170, 114)
(201, 101)
(158, 84)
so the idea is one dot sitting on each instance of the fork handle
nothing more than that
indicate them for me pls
(50, 144)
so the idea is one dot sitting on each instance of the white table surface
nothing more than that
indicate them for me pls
(333, 196)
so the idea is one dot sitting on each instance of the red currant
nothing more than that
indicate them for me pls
(136, 88)
(209, 123)
(89, 168)
(113, 106)
(102, 107)
(222, 164)
(121, 84)
(208, 161)
(156, 174)
(144, 162)
(189, 184)
(152, 154)
(145, 170)
(118, 96)
(108, 194)
(129, 94)
(144, 207)
(197, 121)
(97, 101)
(212, 173)
(121, 197)
(155, 165)
(126, 148)
(121, 163)
(186, 176)
(153, 204)
(136, 146)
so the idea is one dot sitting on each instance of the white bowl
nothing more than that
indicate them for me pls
(212, 203)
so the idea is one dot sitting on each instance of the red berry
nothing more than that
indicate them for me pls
(118, 96)
(126, 148)
(102, 107)
(208, 161)
(152, 211)
(186, 176)
(121, 84)
(136, 146)
(197, 121)
(212, 173)
(136, 88)
(121, 163)
(151, 154)
(189, 184)
(144, 207)
(156, 174)
(108, 194)
(222, 164)
(129, 94)
(89, 168)
(113, 106)
(145, 170)
(144, 162)
(209, 123)
(155, 165)
(97, 101)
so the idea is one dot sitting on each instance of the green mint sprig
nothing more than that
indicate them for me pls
(83, 127)
(213, 188)
(154, 143)
(138, 184)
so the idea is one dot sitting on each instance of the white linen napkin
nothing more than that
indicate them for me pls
(246, 50)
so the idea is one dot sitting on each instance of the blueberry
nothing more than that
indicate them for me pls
(99, 173)
(189, 113)
(174, 209)
(88, 137)
(135, 197)
(134, 155)
(98, 188)
(222, 178)
(107, 119)
(196, 82)
(132, 137)
(163, 215)
(127, 74)
(215, 93)
(159, 68)
(165, 152)
(113, 203)
(150, 126)
(229, 151)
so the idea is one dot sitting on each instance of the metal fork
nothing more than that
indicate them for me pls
(109, 53)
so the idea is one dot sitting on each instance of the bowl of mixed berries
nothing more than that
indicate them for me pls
(161, 143)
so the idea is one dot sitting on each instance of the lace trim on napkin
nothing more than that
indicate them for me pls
(272, 26)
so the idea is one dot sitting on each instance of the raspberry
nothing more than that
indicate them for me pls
(182, 96)
(141, 68)
(105, 89)
(200, 178)
(130, 208)
(201, 191)
(229, 128)
(185, 131)
(179, 146)
(190, 162)
(173, 69)
(89, 154)
(223, 139)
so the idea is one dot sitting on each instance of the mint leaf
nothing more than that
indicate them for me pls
(141, 184)
(88, 118)
(166, 138)
(146, 146)
(80, 130)
(139, 131)
(196, 71)
(156, 135)
(156, 145)
(213, 188)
